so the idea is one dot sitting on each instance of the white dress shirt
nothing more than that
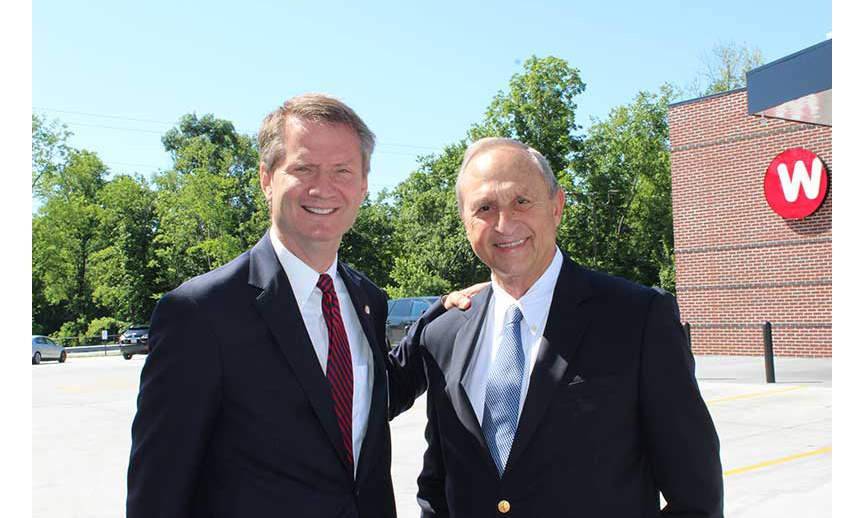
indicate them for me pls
(304, 282)
(534, 305)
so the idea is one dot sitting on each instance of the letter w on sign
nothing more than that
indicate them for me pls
(800, 177)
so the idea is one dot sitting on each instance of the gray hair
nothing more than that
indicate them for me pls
(311, 107)
(487, 143)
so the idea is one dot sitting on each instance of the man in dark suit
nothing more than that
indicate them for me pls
(265, 392)
(561, 391)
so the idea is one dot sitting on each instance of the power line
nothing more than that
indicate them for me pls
(120, 117)
(101, 115)
(114, 127)
(138, 130)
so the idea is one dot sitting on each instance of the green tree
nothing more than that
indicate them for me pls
(65, 235)
(49, 152)
(123, 273)
(209, 205)
(369, 246)
(538, 108)
(618, 217)
(621, 216)
(433, 255)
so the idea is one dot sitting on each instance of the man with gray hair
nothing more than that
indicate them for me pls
(269, 386)
(560, 391)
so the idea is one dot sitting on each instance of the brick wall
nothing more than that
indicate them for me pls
(738, 263)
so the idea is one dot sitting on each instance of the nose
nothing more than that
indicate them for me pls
(320, 185)
(505, 223)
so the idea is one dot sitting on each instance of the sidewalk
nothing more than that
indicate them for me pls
(751, 369)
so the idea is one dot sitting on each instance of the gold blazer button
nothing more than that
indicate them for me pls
(504, 506)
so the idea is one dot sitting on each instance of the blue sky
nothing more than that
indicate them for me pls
(120, 74)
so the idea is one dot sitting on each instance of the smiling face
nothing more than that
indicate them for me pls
(509, 216)
(316, 191)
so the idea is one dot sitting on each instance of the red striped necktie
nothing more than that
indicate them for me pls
(340, 374)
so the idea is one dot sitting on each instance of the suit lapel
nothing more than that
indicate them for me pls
(567, 322)
(377, 409)
(278, 309)
(464, 347)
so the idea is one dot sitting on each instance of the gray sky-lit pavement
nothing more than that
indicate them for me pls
(775, 438)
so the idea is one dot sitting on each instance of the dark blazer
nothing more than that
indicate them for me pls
(235, 417)
(613, 413)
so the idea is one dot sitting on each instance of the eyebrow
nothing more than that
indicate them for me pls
(480, 202)
(299, 163)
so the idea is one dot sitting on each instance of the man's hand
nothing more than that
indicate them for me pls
(462, 299)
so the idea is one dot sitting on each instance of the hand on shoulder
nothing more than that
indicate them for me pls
(462, 299)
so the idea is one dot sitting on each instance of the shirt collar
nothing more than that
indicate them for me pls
(534, 304)
(303, 278)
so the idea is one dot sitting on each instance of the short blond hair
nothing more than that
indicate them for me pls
(312, 107)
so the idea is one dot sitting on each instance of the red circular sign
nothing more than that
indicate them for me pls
(795, 183)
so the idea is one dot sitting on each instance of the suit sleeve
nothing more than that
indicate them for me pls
(682, 443)
(405, 364)
(431, 494)
(178, 401)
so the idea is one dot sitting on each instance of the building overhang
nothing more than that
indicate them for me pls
(796, 87)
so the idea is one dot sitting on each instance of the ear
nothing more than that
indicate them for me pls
(558, 206)
(264, 178)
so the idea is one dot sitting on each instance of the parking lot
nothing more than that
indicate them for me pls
(776, 439)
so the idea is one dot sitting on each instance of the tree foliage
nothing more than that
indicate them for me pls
(620, 220)
(209, 206)
(539, 109)
(49, 152)
(725, 68)
(106, 247)
(618, 217)
(433, 256)
(123, 269)
(368, 245)
(65, 236)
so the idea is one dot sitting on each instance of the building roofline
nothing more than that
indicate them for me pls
(718, 94)
(826, 43)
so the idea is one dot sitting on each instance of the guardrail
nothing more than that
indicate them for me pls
(92, 349)
(87, 341)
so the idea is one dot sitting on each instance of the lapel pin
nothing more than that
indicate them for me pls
(366, 309)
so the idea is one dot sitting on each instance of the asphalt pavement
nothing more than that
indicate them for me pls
(775, 438)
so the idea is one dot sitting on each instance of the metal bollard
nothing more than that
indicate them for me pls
(768, 340)
(687, 332)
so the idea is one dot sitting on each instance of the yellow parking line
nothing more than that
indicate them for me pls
(777, 461)
(754, 394)
(93, 388)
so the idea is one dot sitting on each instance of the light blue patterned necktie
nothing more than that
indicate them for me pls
(504, 389)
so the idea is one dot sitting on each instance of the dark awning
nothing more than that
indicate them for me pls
(797, 87)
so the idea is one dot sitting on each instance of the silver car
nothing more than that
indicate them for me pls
(46, 349)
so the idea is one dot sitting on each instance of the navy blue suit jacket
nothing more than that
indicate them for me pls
(613, 413)
(235, 417)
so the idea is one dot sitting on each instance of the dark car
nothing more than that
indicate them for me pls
(134, 341)
(401, 313)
